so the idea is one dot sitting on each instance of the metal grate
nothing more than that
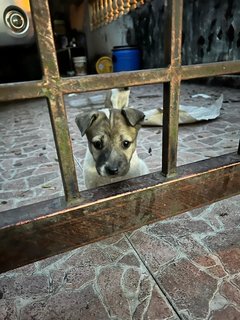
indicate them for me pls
(37, 231)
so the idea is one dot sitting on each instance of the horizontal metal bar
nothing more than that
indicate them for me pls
(110, 210)
(114, 80)
(40, 88)
(23, 90)
(147, 77)
(210, 69)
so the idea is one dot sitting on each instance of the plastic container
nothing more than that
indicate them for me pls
(104, 65)
(80, 65)
(126, 58)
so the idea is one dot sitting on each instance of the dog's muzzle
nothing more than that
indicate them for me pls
(112, 164)
(111, 170)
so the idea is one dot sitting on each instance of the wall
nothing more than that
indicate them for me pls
(101, 41)
(211, 32)
(148, 22)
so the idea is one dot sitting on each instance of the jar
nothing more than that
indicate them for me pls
(80, 65)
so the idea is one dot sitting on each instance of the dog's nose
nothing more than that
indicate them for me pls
(111, 171)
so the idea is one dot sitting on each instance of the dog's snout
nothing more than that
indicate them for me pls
(111, 171)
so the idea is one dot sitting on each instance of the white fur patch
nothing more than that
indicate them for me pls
(107, 112)
(120, 98)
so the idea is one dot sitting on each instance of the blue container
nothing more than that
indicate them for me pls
(126, 58)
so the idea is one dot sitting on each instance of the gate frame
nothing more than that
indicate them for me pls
(34, 232)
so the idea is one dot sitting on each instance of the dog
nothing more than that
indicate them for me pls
(112, 138)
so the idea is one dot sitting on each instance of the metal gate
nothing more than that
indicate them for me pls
(37, 231)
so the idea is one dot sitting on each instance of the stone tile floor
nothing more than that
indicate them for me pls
(187, 267)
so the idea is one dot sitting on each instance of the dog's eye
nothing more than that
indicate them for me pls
(98, 145)
(126, 144)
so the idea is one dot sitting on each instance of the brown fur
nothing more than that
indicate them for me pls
(117, 136)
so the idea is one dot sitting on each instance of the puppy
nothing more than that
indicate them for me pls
(112, 137)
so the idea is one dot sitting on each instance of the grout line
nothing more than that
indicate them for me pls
(78, 162)
(153, 277)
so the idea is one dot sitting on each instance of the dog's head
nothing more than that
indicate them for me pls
(111, 138)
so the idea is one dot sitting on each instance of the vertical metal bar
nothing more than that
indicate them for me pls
(171, 90)
(45, 39)
(64, 147)
(42, 21)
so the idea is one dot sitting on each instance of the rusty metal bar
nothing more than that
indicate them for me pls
(210, 69)
(114, 80)
(171, 90)
(22, 90)
(113, 209)
(42, 21)
(34, 89)
(45, 39)
(63, 147)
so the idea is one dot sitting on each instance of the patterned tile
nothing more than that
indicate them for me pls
(186, 267)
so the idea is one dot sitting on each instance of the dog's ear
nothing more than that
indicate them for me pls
(117, 98)
(84, 121)
(133, 116)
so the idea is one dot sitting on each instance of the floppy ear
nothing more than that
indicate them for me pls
(133, 116)
(84, 121)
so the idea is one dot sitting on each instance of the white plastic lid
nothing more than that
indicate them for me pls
(80, 59)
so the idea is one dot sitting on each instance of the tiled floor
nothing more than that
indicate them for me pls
(187, 267)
